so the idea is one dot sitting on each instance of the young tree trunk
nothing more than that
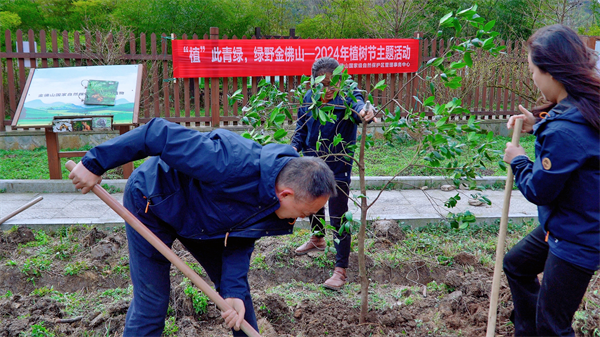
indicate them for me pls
(364, 280)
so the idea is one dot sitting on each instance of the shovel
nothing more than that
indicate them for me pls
(165, 251)
(491, 326)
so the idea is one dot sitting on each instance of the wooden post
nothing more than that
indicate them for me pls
(127, 168)
(214, 88)
(52, 149)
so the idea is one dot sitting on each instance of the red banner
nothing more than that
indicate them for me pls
(240, 58)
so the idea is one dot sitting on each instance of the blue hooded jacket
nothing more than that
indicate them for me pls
(202, 184)
(564, 181)
(308, 131)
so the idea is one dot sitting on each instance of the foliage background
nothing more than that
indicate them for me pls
(517, 19)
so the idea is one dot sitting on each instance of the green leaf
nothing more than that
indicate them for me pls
(322, 117)
(466, 12)
(338, 70)
(380, 85)
(337, 139)
(471, 136)
(502, 165)
(457, 65)
(441, 122)
(457, 27)
(280, 134)
(445, 19)
(279, 118)
(328, 108)
(476, 42)
(467, 59)
(471, 120)
(488, 43)
(439, 109)
(348, 216)
(429, 101)
(488, 26)
(439, 140)
(436, 61)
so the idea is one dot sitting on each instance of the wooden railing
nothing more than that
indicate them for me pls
(202, 101)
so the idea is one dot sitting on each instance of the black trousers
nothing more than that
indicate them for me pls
(544, 309)
(338, 205)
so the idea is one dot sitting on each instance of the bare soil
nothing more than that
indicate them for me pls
(459, 308)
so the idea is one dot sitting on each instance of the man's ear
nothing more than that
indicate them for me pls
(283, 191)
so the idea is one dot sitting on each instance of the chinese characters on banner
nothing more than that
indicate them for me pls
(240, 58)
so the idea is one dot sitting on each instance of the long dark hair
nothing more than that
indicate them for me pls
(558, 50)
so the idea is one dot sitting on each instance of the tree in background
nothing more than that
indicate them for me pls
(29, 13)
(397, 18)
(9, 20)
(96, 13)
(337, 19)
(179, 16)
(517, 19)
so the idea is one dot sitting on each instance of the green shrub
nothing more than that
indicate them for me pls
(199, 299)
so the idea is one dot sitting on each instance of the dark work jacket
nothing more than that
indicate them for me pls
(307, 133)
(203, 185)
(564, 181)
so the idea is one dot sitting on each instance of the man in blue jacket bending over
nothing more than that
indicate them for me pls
(216, 193)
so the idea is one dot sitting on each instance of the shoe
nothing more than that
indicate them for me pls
(337, 280)
(315, 243)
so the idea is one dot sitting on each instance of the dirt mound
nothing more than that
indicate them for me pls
(75, 282)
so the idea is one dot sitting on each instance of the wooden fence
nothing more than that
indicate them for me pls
(202, 101)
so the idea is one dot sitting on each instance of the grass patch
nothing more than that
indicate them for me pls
(439, 243)
(33, 164)
(382, 159)
(388, 158)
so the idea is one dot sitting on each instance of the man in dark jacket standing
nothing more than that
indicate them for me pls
(216, 193)
(309, 132)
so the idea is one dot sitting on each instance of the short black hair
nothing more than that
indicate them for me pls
(324, 65)
(309, 177)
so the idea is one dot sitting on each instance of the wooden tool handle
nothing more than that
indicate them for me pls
(491, 326)
(21, 209)
(165, 251)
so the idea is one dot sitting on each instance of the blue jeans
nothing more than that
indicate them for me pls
(338, 205)
(150, 277)
(545, 309)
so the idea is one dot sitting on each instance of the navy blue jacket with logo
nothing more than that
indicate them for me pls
(564, 181)
(204, 185)
(308, 131)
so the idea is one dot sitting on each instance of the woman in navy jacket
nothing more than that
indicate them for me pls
(564, 181)
(216, 193)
